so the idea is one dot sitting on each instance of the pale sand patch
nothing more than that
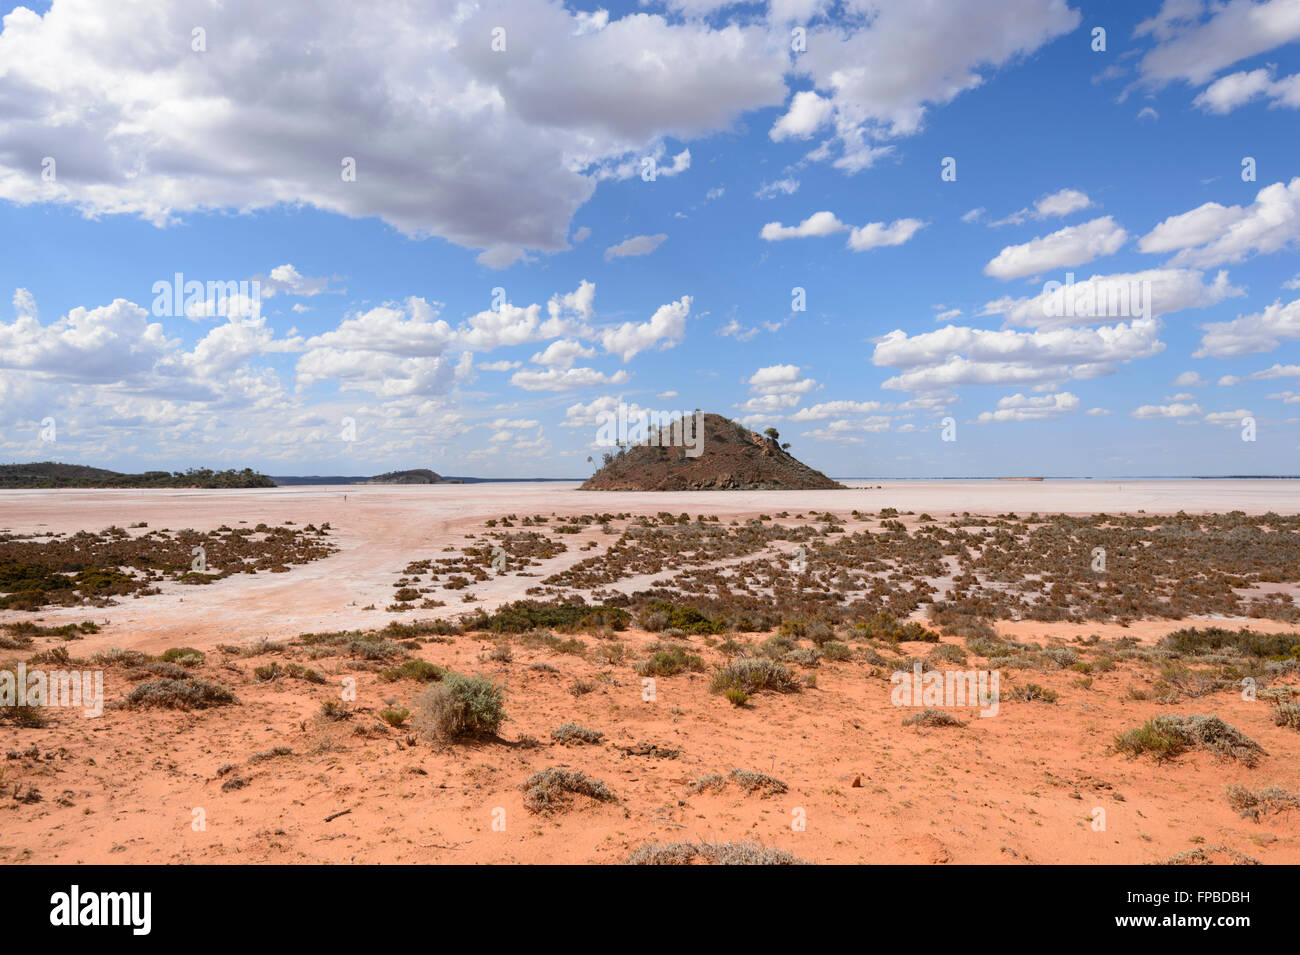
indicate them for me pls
(380, 529)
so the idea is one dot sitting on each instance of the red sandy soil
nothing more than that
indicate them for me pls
(1017, 788)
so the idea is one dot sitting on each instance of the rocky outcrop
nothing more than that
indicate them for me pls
(730, 458)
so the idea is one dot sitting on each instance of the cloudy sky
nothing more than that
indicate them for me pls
(475, 226)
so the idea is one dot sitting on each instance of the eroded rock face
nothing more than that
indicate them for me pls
(732, 458)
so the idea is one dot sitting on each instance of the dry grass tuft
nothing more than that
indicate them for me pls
(712, 853)
(551, 790)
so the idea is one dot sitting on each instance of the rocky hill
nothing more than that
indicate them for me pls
(731, 458)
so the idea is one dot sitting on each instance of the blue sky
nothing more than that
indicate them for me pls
(521, 170)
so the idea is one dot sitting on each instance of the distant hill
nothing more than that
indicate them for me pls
(291, 480)
(51, 474)
(416, 476)
(294, 480)
(731, 458)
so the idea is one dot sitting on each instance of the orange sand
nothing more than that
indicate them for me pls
(1020, 787)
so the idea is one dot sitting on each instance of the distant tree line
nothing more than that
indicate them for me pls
(49, 474)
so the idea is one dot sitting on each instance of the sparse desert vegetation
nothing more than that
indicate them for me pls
(1258, 802)
(1167, 736)
(461, 707)
(552, 790)
(929, 716)
(643, 655)
(724, 853)
(573, 733)
(94, 569)
(184, 693)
